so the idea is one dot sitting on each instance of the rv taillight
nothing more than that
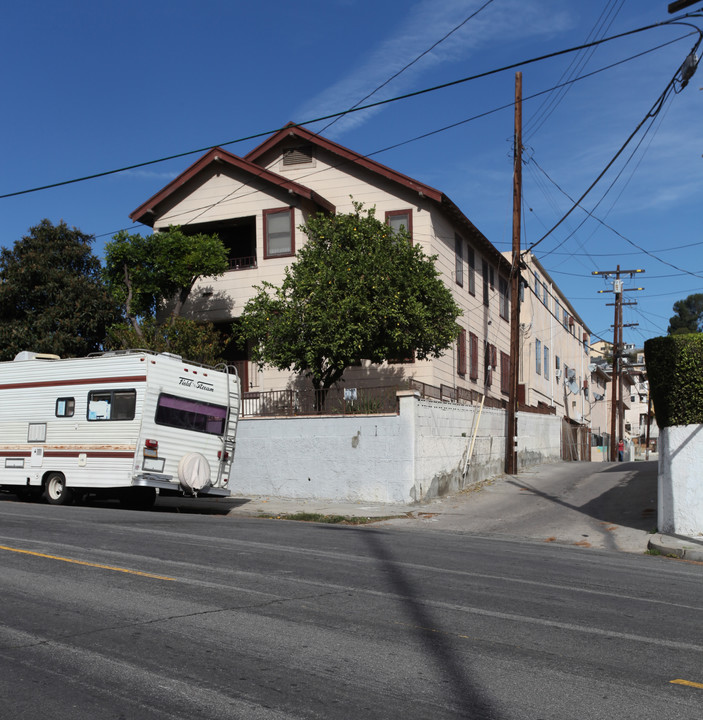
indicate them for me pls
(151, 444)
(219, 455)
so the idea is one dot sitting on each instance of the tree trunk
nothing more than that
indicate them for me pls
(128, 305)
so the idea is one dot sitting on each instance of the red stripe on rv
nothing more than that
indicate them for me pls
(93, 454)
(70, 453)
(78, 381)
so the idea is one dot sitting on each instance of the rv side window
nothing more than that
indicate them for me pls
(65, 407)
(111, 404)
(188, 414)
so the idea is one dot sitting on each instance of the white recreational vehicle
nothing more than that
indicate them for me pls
(124, 423)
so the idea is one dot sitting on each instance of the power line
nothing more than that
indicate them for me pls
(410, 64)
(550, 104)
(651, 114)
(347, 111)
(617, 232)
(204, 208)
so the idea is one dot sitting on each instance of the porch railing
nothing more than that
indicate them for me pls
(242, 263)
(336, 401)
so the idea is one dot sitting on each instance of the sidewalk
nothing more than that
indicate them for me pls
(257, 505)
(608, 506)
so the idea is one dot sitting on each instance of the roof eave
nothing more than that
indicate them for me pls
(146, 212)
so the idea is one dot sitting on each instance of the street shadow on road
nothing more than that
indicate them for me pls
(185, 505)
(464, 694)
(631, 503)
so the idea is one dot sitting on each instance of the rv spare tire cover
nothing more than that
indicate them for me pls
(194, 472)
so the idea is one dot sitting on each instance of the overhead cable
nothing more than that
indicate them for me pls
(378, 103)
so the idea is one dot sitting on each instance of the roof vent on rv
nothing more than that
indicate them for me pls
(29, 355)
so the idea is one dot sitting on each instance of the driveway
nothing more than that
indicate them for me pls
(610, 506)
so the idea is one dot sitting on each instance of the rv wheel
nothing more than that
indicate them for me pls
(55, 490)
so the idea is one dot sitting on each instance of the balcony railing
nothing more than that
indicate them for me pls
(242, 263)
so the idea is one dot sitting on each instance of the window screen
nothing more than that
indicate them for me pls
(279, 237)
(65, 407)
(111, 404)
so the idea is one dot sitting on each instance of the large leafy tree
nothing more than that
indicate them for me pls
(52, 295)
(688, 317)
(357, 291)
(152, 277)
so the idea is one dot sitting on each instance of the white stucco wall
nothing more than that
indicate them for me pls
(404, 458)
(680, 486)
(539, 439)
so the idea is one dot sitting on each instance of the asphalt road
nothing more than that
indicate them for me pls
(109, 613)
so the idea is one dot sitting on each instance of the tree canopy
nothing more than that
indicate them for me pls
(356, 291)
(688, 317)
(52, 295)
(152, 277)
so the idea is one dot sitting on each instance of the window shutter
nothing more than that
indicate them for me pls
(461, 352)
(504, 372)
(473, 368)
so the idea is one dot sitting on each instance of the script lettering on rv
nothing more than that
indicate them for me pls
(198, 384)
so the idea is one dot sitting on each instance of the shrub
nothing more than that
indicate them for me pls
(675, 372)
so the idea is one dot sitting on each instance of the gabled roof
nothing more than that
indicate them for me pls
(291, 130)
(145, 213)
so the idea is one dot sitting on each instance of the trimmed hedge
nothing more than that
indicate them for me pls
(675, 372)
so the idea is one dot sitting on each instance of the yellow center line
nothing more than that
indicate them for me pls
(687, 682)
(89, 564)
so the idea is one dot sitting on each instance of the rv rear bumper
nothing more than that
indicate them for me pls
(163, 483)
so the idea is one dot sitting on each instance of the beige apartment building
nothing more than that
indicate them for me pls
(555, 367)
(257, 203)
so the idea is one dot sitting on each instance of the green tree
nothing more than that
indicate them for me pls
(688, 317)
(152, 277)
(356, 291)
(200, 342)
(52, 295)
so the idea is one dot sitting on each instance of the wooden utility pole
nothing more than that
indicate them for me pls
(511, 434)
(615, 375)
(617, 407)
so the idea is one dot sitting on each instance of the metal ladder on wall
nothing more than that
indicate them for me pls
(229, 439)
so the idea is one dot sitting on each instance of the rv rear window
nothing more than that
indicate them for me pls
(178, 412)
(111, 404)
(65, 407)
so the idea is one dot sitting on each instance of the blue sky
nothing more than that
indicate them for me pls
(90, 87)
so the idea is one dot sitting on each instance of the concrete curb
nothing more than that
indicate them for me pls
(677, 546)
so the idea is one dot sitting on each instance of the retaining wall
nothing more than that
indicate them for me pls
(417, 454)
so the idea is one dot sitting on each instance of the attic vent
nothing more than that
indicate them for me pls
(298, 155)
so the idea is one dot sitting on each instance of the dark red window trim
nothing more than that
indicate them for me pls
(504, 299)
(274, 211)
(471, 261)
(408, 212)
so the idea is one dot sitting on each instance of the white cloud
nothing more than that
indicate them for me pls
(150, 174)
(425, 23)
